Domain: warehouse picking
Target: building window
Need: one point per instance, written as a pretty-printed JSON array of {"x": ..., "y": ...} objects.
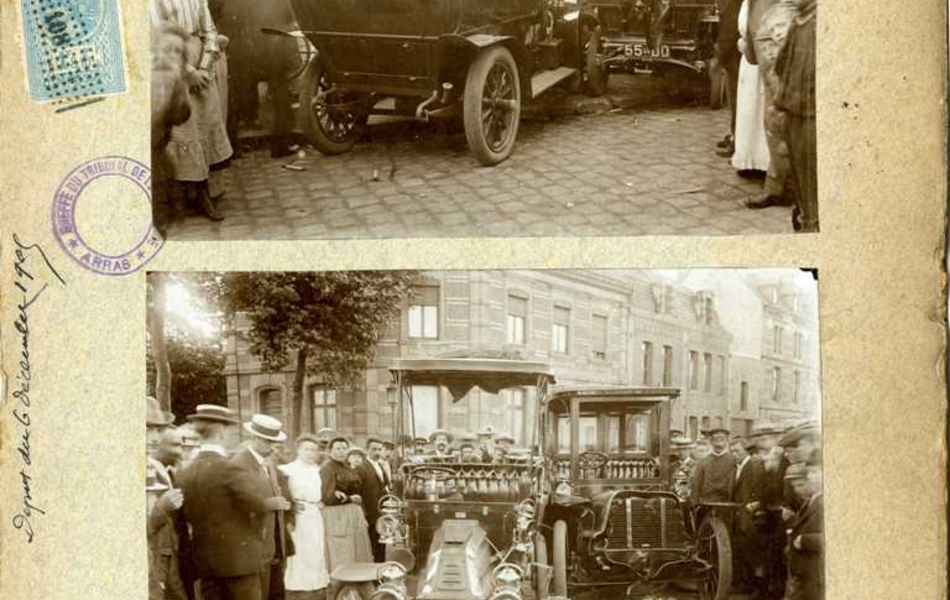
[
  {"x": 798, "y": 344},
  {"x": 424, "y": 313},
  {"x": 694, "y": 428},
  {"x": 323, "y": 405},
  {"x": 796, "y": 386},
  {"x": 776, "y": 383},
  {"x": 517, "y": 316},
  {"x": 667, "y": 366},
  {"x": 704, "y": 427},
  {"x": 426, "y": 411},
  {"x": 744, "y": 396},
  {"x": 693, "y": 370},
  {"x": 561, "y": 329},
  {"x": 598, "y": 341},
  {"x": 269, "y": 403},
  {"x": 721, "y": 370},
  {"x": 718, "y": 422},
  {"x": 707, "y": 372},
  {"x": 647, "y": 363},
  {"x": 516, "y": 403},
  {"x": 776, "y": 339}
]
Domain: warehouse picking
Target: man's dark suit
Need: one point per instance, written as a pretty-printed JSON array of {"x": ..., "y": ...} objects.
[
  {"x": 371, "y": 490},
  {"x": 806, "y": 564},
  {"x": 276, "y": 543},
  {"x": 226, "y": 513},
  {"x": 727, "y": 49},
  {"x": 748, "y": 539}
]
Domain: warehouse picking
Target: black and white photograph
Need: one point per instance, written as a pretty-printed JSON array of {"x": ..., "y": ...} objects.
[
  {"x": 484, "y": 435},
  {"x": 298, "y": 119}
]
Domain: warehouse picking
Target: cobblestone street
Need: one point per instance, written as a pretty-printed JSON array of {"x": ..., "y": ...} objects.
[{"x": 635, "y": 162}]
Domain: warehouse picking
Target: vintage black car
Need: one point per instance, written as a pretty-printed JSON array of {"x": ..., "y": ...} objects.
[
  {"x": 456, "y": 530},
  {"x": 613, "y": 517},
  {"x": 431, "y": 59},
  {"x": 655, "y": 36}
]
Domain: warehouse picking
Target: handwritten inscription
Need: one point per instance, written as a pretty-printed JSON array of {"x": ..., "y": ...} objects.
[{"x": 28, "y": 260}]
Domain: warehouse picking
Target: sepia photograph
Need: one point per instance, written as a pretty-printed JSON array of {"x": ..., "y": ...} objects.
[
  {"x": 484, "y": 435},
  {"x": 296, "y": 119}
]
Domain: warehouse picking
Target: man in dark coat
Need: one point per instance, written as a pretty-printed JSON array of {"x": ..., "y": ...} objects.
[
  {"x": 714, "y": 476},
  {"x": 254, "y": 466},
  {"x": 226, "y": 513},
  {"x": 806, "y": 537},
  {"x": 373, "y": 488},
  {"x": 254, "y": 56},
  {"x": 747, "y": 537},
  {"x": 728, "y": 55}
]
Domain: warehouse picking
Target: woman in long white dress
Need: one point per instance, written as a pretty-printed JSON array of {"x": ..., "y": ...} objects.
[
  {"x": 307, "y": 568},
  {"x": 752, "y": 150}
]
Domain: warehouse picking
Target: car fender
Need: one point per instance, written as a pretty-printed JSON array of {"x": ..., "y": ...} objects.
[{"x": 478, "y": 42}]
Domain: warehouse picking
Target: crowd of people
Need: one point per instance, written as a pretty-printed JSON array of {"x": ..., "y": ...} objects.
[
  {"x": 208, "y": 57},
  {"x": 210, "y": 497},
  {"x": 774, "y": 478},
  {"x": 767, "y": 50}
]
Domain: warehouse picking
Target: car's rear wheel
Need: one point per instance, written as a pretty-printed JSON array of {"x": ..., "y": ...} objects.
[
  {"x": 491, "y": 106},
  {"x": 332, "y": 121},
  {"x": 715, "y": 549},
  {"x": 559, "y": 543}
]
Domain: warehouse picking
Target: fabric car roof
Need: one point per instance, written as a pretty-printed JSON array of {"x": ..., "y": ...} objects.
[{"x": 460, "y": 375}]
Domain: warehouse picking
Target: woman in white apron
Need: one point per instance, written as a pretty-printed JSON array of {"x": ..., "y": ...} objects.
[
  {"x": 307, "y": 568},
  {"x": 752, "y": 150}
]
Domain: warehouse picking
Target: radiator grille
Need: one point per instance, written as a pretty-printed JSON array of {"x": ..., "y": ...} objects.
[{"x": 635, "y": 522}]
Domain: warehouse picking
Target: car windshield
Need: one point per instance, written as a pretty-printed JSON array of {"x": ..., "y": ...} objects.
[{"x": 618, "y": 431}]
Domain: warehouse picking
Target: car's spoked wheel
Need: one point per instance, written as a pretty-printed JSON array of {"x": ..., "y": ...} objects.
[
  {"x": 349, "y": 592},
  {"x": 715, "y": 549},
  {"x": 332, "y": 121},
  {"x": 597, "y": 74},
  {"x": 492, "y": 105}
]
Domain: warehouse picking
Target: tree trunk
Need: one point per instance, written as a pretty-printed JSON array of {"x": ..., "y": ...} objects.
[
  {"x": 296, "y": 410},
  {"x": 163, "y": 372}
]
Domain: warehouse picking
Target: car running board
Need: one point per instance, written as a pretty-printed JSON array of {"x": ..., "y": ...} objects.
[{"x": 545, "y": 80}]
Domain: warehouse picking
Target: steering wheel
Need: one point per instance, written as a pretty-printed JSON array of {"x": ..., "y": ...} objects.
[
  {"x": 433, "y": 472},
  {"x": 592, "y": 460}
]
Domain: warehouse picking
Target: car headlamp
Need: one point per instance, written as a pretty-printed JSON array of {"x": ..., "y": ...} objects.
[
  {"x": 563, "y": 492},
  {"x": 387, "y": 526},
  {"x": 508, "y": 576},
  {"x": 391, "y": 573},
  {"x": 389, "y": 591}
]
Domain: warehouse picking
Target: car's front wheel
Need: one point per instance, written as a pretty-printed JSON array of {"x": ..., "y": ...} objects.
[
  {"x": 491, "y": 106},
  {"x": 715, "y": 548}
]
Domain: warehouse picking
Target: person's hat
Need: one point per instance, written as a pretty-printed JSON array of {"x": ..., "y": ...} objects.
[
  {"x": 439, "y": 432},
  {"x": 265, "y": 427},
  {"x": 467, "y": 437},
  {"x": 716, "y": 430},
  {"x": 764, "y": 429},
  {"x": 388, "y": 444},
  {"x": 488, "y": 431},
  {"x": 374, "y": 440},
  {"x": 152, "y": 484},
  {"x": 327, "y": 433},
  {"x": 155, "y": 416},
  {"x": 420, "y": 440},
  {"x": 213, "y": 412},
  {"x": 467, "y": 443},
  {"x": 676, "y": 433},
  {"x": 505, "y": 438},
  {"x": 796, "y": 471},
  {"x": 307, "y": 437},
  {"x": 681, "y": 443},
  {"x": 356, "y": 450}
]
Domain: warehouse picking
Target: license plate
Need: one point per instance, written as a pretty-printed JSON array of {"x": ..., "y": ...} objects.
[{"x": 644, "y": 51}]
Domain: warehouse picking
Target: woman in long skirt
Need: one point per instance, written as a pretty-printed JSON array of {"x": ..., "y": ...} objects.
[
  {"x": 752, "y": 149},
  {"x": 201, "y": 141},
  {"x": 307, "y": 568}
]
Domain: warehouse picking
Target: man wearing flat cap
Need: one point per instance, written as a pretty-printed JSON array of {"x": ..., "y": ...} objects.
[
  {"x": 714, "y": 476},
  {"x": 228, "y": 513},
  {"x": 805, "y": 536}
]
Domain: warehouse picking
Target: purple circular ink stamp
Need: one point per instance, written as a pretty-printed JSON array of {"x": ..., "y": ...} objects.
[{"x": 101, "y": 199}]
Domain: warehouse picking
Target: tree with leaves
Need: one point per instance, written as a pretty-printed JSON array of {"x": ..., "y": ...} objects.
[{"x": 325, "y": 323}]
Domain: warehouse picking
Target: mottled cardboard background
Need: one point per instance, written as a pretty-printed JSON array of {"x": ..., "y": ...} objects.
[{"x": 882, "y": 183}]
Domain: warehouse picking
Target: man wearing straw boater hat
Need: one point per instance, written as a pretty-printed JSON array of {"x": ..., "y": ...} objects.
[
  {"x": 256, "y": 468},
  {"x": 226, "y": 513}
]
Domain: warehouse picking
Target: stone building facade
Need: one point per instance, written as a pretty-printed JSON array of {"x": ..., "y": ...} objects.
[{"x": 592, "y": 327}]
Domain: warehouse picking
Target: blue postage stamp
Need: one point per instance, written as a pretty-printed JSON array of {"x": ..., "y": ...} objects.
[{"x": 73, "y": 48}]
